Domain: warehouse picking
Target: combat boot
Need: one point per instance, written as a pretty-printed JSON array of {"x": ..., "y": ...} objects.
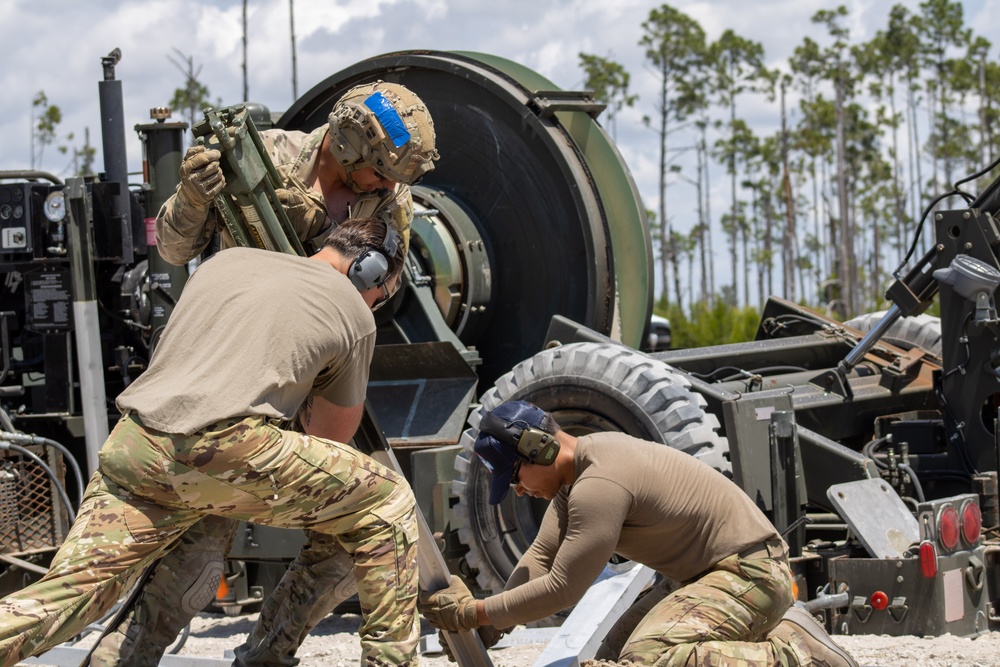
[{"x": 803, "y": 633}]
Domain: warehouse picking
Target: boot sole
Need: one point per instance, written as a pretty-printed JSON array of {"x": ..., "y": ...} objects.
[{"x": 803, "y": 620}]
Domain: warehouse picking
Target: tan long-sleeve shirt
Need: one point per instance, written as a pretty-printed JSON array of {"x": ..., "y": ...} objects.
[{"x": 645, "y": 501}]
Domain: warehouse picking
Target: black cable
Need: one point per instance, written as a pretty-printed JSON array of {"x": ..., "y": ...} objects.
[
  {"x": 870, "y": 449},
  {"x": 960, "y": 444},
  {"x": 978, "y": 174},
  {"x": 960, "y": 368},
  {"x": 913, "y": 480},
  {"x": 955, "y": 191},
  {"x": 126, "y": 377},
  {"x": 48, "y": 471},
  {"x": 920, "y": 228},
  {"x": 25, "y": 439}
]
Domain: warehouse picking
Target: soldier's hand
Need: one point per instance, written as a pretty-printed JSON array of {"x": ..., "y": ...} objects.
[
  {"x": 487, "y": 633},
  {"x": 452, "y": 608},
  {"x": 201, "y": 176},
  {"x": 306, "y": 215}
]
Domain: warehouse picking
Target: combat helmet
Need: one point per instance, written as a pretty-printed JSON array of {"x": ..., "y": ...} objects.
[{"x": 384, "y": 126}]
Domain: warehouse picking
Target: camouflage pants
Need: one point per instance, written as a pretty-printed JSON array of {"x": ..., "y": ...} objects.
[
  {"x": 319, "y": 579},
  {"x": 722, "y": 618},
  {"x": 152, "y": 487},
  {"x": 183, "y": 582}
]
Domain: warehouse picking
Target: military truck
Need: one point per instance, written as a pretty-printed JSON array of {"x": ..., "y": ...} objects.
[{"x": 530, "y": 276}]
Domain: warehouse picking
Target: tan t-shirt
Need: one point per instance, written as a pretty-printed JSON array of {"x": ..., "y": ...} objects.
[
  {"x": 254, "y": 333},
  {"x": 647, "y": 502}
]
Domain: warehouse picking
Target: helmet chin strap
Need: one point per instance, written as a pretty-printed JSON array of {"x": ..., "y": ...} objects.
[{"x": 349, "y": 180}]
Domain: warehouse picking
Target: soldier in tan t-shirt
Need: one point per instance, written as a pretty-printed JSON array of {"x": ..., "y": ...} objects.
[
  {"x": 379, "y": 140},
  {"x": 611, "y": 494},
  {"x": 200, "y": 436}
]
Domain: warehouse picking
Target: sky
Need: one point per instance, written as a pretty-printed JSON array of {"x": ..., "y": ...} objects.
[{"x": 55, "y": 46}]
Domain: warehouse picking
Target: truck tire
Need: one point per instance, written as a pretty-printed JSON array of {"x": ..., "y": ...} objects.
[
  {"x": 588, "y": 387},
  {"x": 923, "y": 331}
]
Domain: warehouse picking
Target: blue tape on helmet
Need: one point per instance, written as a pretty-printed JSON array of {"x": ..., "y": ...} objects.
[{"x": 389, "y": 118}]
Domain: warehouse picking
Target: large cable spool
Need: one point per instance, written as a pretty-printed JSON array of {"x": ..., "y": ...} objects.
[{"x": 533, "y": 211}]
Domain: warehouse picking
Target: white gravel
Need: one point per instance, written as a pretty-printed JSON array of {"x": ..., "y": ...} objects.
[{"x": 333, "y": 643}]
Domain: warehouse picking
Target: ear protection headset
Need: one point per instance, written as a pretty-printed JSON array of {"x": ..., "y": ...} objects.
[
  {"x": 371, "y": 268},
  {"x": 537, "y": 446}
]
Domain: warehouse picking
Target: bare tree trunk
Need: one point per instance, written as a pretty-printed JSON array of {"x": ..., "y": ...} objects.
[
  {"x": 915, "y": 175},
  {"x": 946, "y": 161},
  {"x": 897, "y": 188},
  {"x": 844, "y": 269},
  {"x": 690, "y": 285},
  {"x": 830, "y": 220},
  {"x": 788, "y": 238},
  {"x": 708, "y": 219},
  {"x": 664, "y": 223},
  {"x": 769, "y": 244},
  {"x": 703, "y": 231},
  {"x": 675, "y": 261},
  {"x": 817, "y": 206},
  {"x": 745, "y": 234},
  {"x": 732, "y": 168},
  {"x": 931, "y": 101},
  {"x": 246, "y": 84},
  {"x": 985, "y": 137},
  {"x": 31, "y": 133},
  {"x": 295, "y": 68},
  {"x": 876, "y": 281},
  {"x": 800, "y": 270}
]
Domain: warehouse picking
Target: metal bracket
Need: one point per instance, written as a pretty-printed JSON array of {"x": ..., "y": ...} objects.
[
  {"x": 861, "y": 608},
  {"x": 898, "y": 609},
  {"x": 974, "y": 573},
  {"x": 547, "y": 102}
]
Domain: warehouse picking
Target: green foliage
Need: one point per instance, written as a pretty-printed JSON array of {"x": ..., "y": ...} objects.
[
  {"x": 83, "y": 157},
  {"x": 46, "y": 118},
  {"x": 707, "y": 324},
  {"x": 193, "y": 97},
  {"x": 191, "y": 100},
  {"x": 610, "y": 81}
]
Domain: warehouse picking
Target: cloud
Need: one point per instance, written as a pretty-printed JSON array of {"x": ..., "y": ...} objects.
[{"x": 56, "y": 46}]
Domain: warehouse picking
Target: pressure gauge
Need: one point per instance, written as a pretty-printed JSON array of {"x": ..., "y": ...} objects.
[{"x": 55, "y": 206}]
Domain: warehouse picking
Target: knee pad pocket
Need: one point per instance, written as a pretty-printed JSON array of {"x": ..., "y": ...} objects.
[{"x": 203, "y": 590}]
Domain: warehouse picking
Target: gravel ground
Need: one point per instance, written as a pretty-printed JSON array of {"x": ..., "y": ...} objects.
[{"x": 333, "y": 643}]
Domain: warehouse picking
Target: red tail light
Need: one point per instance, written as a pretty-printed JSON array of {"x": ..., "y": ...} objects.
[
  {"x": 972, "y": 522},
  {"x": 879, "y": 600},
  {"x": 928, "y": 559},
  {"x": 948, "y": 527}
]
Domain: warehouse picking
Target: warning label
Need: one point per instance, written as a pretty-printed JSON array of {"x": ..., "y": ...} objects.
[{"x": 49, "y": 302}]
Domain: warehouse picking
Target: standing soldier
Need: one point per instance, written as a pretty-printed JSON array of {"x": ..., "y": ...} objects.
[
  {"x": 379, "y": 140},
  {"x": 198, "y": 436}
]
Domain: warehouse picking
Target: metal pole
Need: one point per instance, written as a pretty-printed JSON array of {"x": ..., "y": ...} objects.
[
  {"x": 466, "y": 646},
  {"x": 786, "y": 478},
  {"x": 86, "y": 324},
  {"x": 163, "y": 148},
  {"x": 115, "y": 160}
]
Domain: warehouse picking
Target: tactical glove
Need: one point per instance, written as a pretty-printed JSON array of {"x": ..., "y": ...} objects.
[
  {"x": 489, "y": 635},
  {"x": 452, "y": 608},
  {"x": 201, "y": 176},
  {"x": 306, "y": 214}
]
